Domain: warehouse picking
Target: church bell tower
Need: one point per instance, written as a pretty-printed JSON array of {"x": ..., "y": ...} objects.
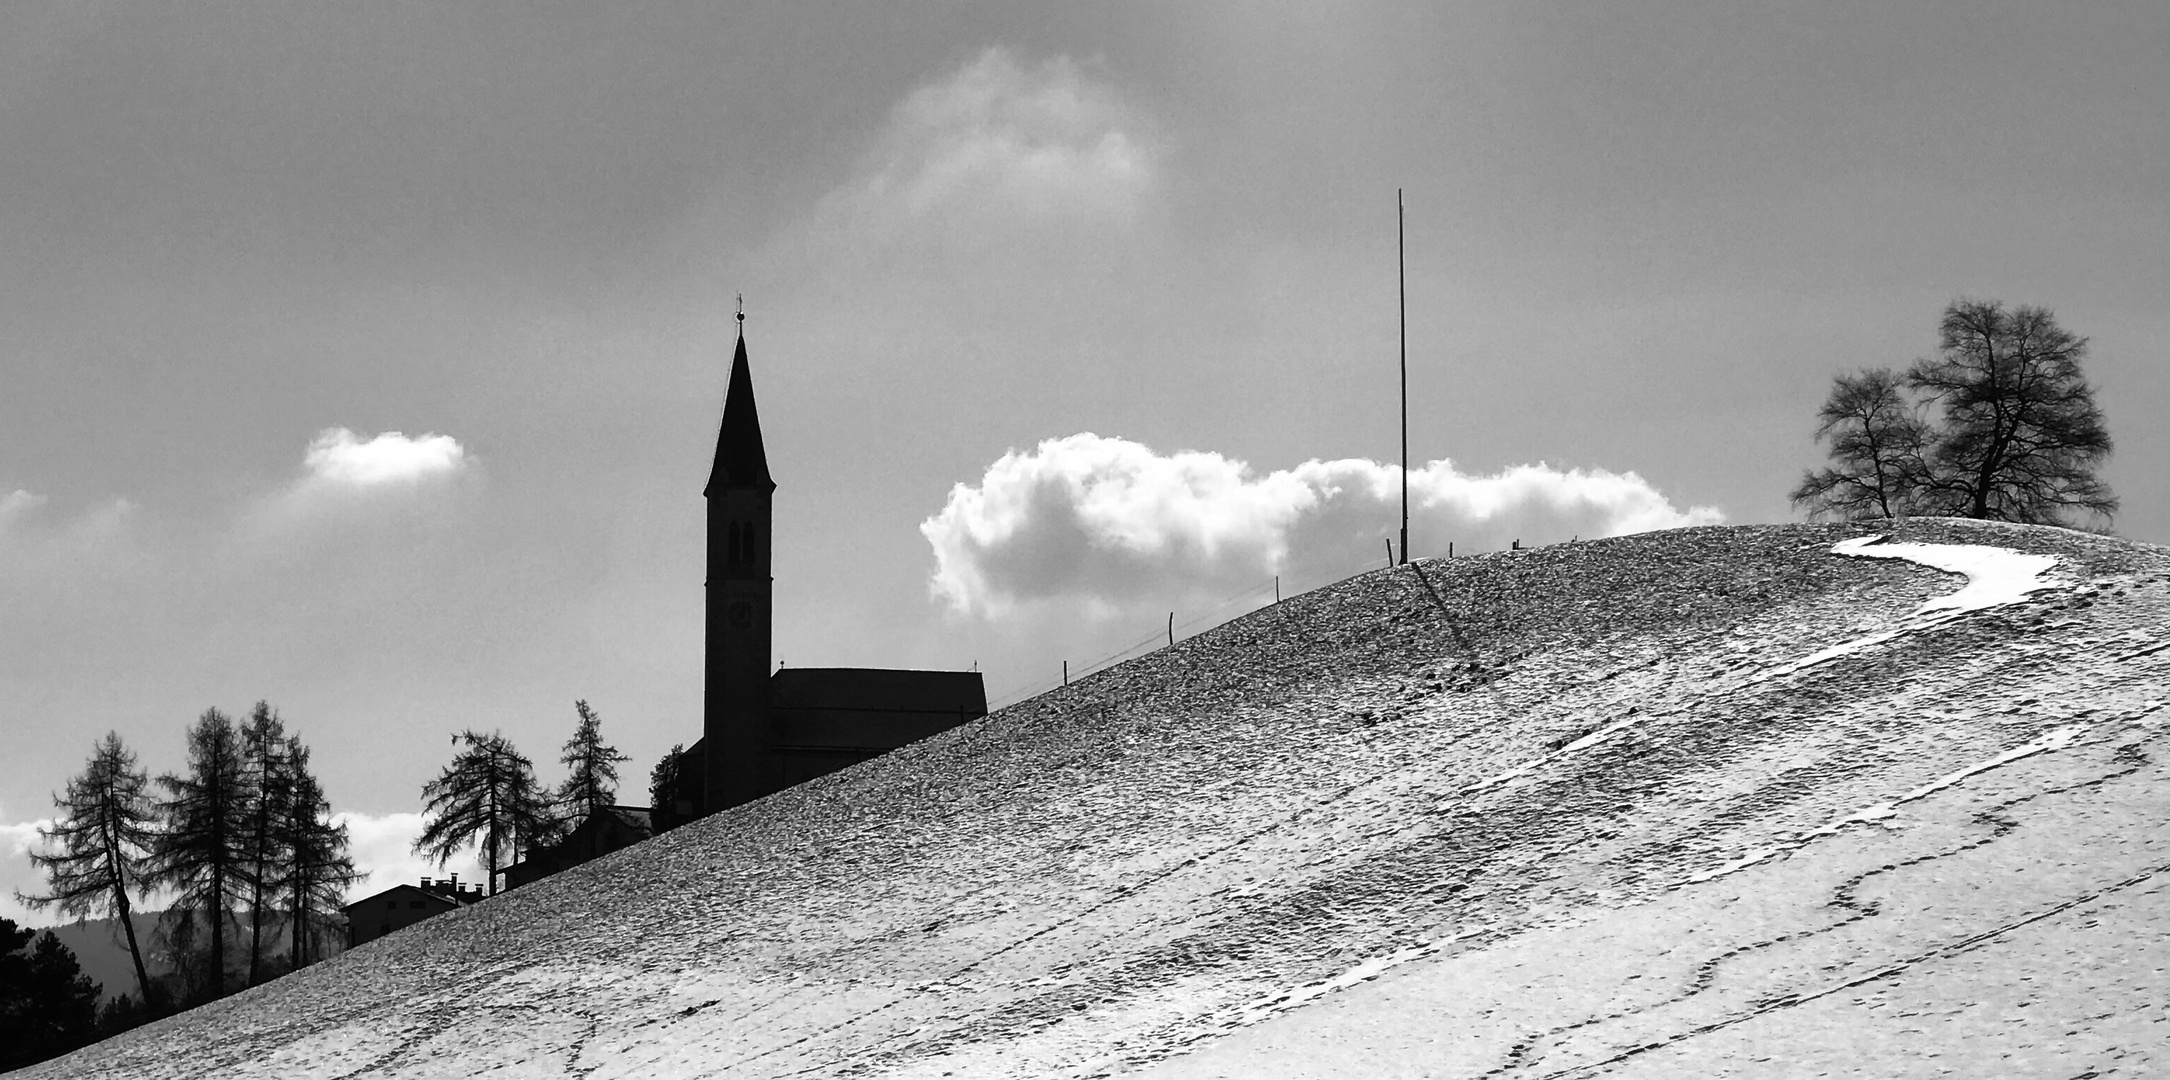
[{"x": 735, "y": 721}]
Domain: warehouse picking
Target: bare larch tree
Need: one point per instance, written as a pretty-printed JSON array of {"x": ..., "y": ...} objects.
[
  {"x": 99, "y": 846},
  {"x": 591, "y": 781},
  {"x": 202, "y": 852},
  {"x": 663, "y": 781},
  {"x": 488, "y": 791},
  {"x": 317, "y": 867},
  {"x": 265, "y": 776}
]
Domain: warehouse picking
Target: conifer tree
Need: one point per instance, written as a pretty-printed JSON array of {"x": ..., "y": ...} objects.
[
  {"x": 177, "y": 945},
  {"x": 267, "y": 789},
  {"x": 203, "y": 853},
  {"x": 317, "y": 868},
  {"x": 100, "y": 845},
  {"x": 663, "y": 781},
  {"x": 122, "y": 1012},
  {"x": 488, "y": 792},
  {"x": 592, "y": 780},
  {"x": 47, "y": 1006}
]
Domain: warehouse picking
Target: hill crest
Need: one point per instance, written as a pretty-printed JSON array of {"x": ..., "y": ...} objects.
[{"x": 1533, "y": 813}]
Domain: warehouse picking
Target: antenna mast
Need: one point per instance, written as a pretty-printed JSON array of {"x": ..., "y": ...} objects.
[{"x": 1401, "y": 259}]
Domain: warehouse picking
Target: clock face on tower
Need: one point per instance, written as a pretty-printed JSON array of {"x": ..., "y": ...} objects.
[{"x": 740, "y": 615}]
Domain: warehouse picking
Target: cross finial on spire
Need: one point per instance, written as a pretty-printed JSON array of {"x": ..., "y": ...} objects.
[{"x": 742, "y": 314}]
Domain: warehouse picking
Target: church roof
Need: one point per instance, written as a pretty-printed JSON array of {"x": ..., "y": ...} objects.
[
  {"x": 887, "y": 690},
  {"x": 740, "y": 460},
  {"x": 633, "y": 816}
]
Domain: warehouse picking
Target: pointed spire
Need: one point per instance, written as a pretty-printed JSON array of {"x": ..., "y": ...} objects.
[{"x": 741, "y": 462}]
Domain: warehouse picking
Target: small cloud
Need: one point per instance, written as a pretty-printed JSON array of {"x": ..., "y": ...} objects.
[
  {"x": 1044, "y": 139},
  {"x": 1009, "y": 188},
  {"x": 340, "y": 457},
  {"x": 17, "y": 874},
  {"x": 382, "y": 849},
  {"x": 366, "y": 485},
  {"x": 41, "y": 548},
  {"x": 1106, "y": 524},
  {"x": 993, "y": 150},
  {"x": 19, "y": 504},
  {"x": 18, "y": 840}
]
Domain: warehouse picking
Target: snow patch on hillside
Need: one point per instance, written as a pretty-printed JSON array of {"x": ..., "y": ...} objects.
[
  {"x": 1995, "y": 576},
  {"x": 1364, "y": 971},
  {"x": 1579, "y": 745},
  {"x": 2055, "y": 740}
]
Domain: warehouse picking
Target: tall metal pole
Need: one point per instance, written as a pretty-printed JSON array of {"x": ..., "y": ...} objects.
[{"x": 1401, "y": 259}]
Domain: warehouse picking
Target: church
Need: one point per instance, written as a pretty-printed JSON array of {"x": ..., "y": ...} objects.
[{"x": 762, "y": 729}]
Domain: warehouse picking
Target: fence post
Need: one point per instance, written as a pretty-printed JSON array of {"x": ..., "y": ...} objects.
[
  {"x": 1171, "y": 629},
  {"x": 1066, "y": 673}
]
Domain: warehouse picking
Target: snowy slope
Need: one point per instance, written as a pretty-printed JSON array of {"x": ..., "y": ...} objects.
[{"x": 1712, "y": 801}]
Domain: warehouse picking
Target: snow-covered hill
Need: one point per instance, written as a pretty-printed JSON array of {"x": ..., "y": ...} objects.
[{"x": 1744, "y": 801}]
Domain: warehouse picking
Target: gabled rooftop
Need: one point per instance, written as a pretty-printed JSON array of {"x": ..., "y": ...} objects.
[{"x": 447, "y": 890}]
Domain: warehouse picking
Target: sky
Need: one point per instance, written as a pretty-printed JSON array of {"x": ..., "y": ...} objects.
[{"x": 367, "y": 359}]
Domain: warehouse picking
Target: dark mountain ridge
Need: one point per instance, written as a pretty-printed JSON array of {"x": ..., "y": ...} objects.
[{"x": 102, "y": 953}]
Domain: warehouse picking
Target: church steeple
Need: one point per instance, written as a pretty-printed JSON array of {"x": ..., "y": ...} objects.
[
  {"x": 761, "y": 732},
  {"x": 741, "y": 461},
  {"x": 736, "y": 761}
]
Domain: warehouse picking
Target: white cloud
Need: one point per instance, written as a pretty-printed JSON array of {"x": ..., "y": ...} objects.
[
  {"x": 17, "y": 840},
  {"x": 995, "y": 148},
  {"x": 339, "y": 457},
  {"x": 1009, "y": 190},
  {"x": 23, "y": 518},
  {"x": 363, "y": 489},
  {"x": 40, "y": 548},
  {"x": 381, "y": 847},
  {"x": 17, "y": 874},
  {"x": 1041, "y": 140},
  {"x": 1105, "y": 523},
  {"x": 18, "y": 504}
]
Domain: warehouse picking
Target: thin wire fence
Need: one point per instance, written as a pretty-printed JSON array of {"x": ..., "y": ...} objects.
[{"x": 1291, "y": 583}]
